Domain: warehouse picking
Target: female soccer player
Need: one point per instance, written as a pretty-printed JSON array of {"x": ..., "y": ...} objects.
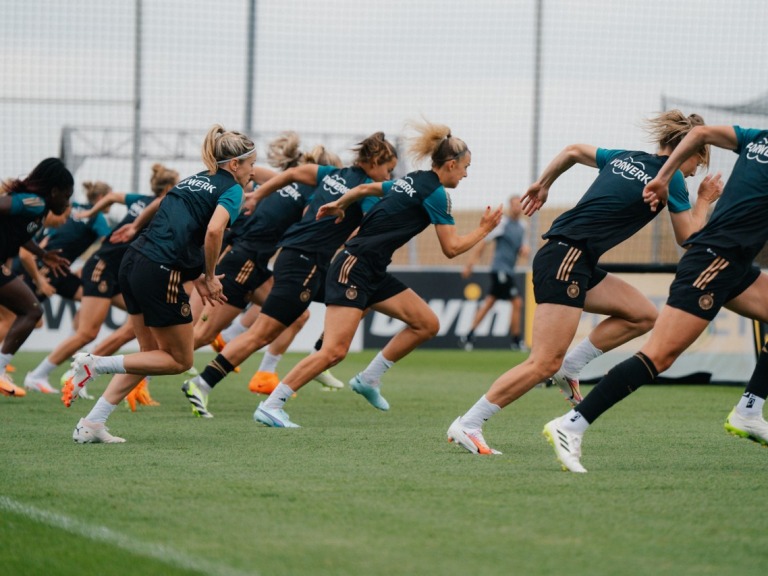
[
  {"x": 99, "y": 277},
  {"x": 23, "y": 206},
  {"x": 307, "y": 249},
  {"x": 358, "y": 278},
  {"x": 183, "y": 240},
  {"x": 716, "y": 271},
  {"x": 566, "y": 275}
]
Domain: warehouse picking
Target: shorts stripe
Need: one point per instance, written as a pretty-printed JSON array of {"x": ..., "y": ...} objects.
[
  {"x": 172, "y": 292},
  {"x": 346, "y": 268},
  {"x": 566, "y": 266},
  {"x": 98, "y": 270},
  {"x": 245, "y": 272},
  {"x": 710, "y": 273},
  {"x": 310, "y": 275}
]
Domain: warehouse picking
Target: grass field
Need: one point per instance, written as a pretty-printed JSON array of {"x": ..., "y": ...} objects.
[{"x": 356, "y": 491}]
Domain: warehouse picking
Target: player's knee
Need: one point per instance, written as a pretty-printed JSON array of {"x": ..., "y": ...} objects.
[
  {"x": 547, "y": 367},
  {"x": 35, "y": 313},
  {"x": 428, "y": 326},
  {"x": 648, "y": 319},
  {"x": 87, "y": 334},
  {"x": 334, "y": 354}
]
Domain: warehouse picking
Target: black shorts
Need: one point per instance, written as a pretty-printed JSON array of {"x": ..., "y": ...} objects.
[
  {"x": 707, "y": 278},
  {"x": 154, "y": 290},
  {"x": 299, "y": 280},
  {"x": 504, "y": 286},
  {"x": 66, "y": 285},
  {"x": 99, "y": 279},
  {"x": 243, "y": 271},
  {"x": 562, "y": 273},
  {"x": 355, "y": 283}
]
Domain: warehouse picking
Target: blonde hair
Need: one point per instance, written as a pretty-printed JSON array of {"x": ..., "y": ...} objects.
[
  {"x": 221, "y": 145},
  {"x": 320, "y": 155},
  {"x": 375, "y": 150},
  {"x": 283, "y": 151},
  {"x": 95, "y": 190},
  {"x": 162, "y": 178},
  {"x": 435, "y": 141},
  {"x": 670, "y": 127}
]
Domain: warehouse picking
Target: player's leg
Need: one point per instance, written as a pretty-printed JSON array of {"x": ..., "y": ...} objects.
[
  {"x": 16, "y": 296},
  {"x": 265, "y": 379},
  {"x": 468, "y": 340}
]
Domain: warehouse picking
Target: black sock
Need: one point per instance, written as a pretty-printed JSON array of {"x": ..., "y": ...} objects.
[
  {"x": 216, "y": 370},
  {"x": 620, "y": 382},
  {"x": 758, "y": 383},
  {"x": 471, "y": 334},
  {"x": 319, "y": 343}
]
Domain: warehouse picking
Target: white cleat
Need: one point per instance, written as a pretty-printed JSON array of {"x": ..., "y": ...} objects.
[
  {"x": 469, "y": 438},
  {"x": 567, "y": 446},
  {"x": 329, "y": 381},
  {"x": 31, "y": 382},
  {"x": 87, "y": 432},
  {"x": 753, "y": 428},
  {"x": 569, "y": 387},
  {"x": 273, "y": 418}
]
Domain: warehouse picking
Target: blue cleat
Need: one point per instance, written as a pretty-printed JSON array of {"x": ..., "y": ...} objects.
[
  {"x": 370, "y": 393},
  {"x": 273, "y": 418}
]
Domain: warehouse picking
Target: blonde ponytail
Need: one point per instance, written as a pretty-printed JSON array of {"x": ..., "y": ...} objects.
[
  {"x": 221, "y": 146},
  {"x": 434, "y": 141}
]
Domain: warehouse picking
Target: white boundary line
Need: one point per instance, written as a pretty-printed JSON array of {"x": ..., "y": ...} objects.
[{"x": 98, "y": 533}]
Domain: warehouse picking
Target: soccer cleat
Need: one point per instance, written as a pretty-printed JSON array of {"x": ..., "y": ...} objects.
[
  {"x": 218, "y": 343},
  {"x": 469, "y": 438},
  {"x": 370, "y": 393},
  {"x": 753, "y": 428},
  {"x": 82, "y": 373},
  {"x": 87, "y": 432},
  {"x": 84, "y": 394},
  {"x": 197, "y": 398},
  {"x": 329, "y": 381},
  {"x": 273, "y": 418},
  {"x": 8, "y": 388},
  {"x": 466, "y": 343},
  {"x": 567, "y": 446},
  {"x": 10, "y": 368},
  {"x": 142, "y": 395},
  {"x": 31, "y": 382},
  {"x": 568, "y": 386},
  {"x": 263, "y": 382}
]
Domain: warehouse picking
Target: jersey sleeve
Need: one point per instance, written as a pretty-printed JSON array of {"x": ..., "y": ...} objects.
[
  {"x": 678, "y": 194},
  {"x": 133, "y": 198},
  {"x": 323, "y": 171},
  {"x": 744, "y": 136},
  {"x": 438, "y": 206},
  {"x": 604, "y": 155},
  {"x": 232, "y": 199},
  {"x": 386, "y": 186},
  {"x": 99, "y": 225},
  {"x": 368, "y": 202},
  {"x": 27, "y": 205}
]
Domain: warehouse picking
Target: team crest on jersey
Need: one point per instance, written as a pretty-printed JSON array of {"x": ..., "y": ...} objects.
[
  {"x": 186, "y": 309},
  {"x": 351, "y": 293},
  {"x": 573, "y": 290},
  {"x": 305, "y": 295},
  {"x": 103, "y": 286},
  {"x": 32, "y": 227},
  {"x": 706, "y": 301},
  {"x": 758, "y": 150},
  {"x": 404, "y": 185},
  {"x": 197, "y": 184},
  {"x": 335, "y": 185}
]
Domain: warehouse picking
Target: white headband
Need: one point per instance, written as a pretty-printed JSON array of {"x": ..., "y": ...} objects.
[{"x": 243, "y": 155}]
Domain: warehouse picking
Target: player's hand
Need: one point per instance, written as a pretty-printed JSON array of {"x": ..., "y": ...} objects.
[
  {"x": 534, "y": 198},
  {"x": 210, "y": 289},
  {"x": 711, "y": 188},
  {"x": 55, "y": 262},
  {"x": 123, "y": 234},
  {"x": 331, "y": 209},
  {"x": 655, "y": 193},
  {"x": 491, "y": 218},
  {"x": 249, "y": 203},
  {"x": 42, "y": 286}
]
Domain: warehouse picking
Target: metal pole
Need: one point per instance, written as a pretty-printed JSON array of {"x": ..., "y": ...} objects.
[
  {"x": 137, "y": 100},
  {"x": 536, "y": 118},
  {"x": 250, "y": 66}
]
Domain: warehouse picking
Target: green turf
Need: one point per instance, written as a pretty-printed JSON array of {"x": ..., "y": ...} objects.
[{"x": 357, "y": 491}]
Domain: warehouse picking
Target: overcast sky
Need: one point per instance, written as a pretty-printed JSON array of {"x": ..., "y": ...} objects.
[{"x": 352, "y": 66}]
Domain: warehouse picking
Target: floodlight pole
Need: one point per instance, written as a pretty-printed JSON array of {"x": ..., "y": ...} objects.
[
  {"x": 137, "y": 99},
  {"x": 250, "y": 67},
  {"x": 536, "y": 118}
]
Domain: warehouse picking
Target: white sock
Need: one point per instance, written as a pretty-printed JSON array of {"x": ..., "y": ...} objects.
[
  {"x": 574, "y": 422},
  {"x": 101, "y": 411},
  {"x": 580, "y": 356},
  {"x": 269, "y": 362},
  {"x": 376, "y": 369},
  {"x": 203, "y": 385},
  {"x": 5, "y": 359},
  {"x": 233, "y": 330},
  {"x": 750, "y": 405},
  {"x": 479, "y": 413},
  {"x": 44, "y": 369},
  {"x": 109, "y": 364},
  {"x": 279, "y": 397}
]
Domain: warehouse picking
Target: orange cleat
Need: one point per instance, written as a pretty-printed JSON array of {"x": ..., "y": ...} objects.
[
  {"x": 140, "y": 395},
  {"x": 8, "y": 388},
  {"x": 263, "y": 382},
  {"x": 10, "y": 368},
  {"x": 68, "y": 393},
  {"x": 218, "y": 343}
]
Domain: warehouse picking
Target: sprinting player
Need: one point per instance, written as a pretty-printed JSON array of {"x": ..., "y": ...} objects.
[
  {"x": 358, "y": 278},
  {"x": 100, "y": 287},
  {"x": 716, "y": 271},
  {"x": 23, "y": 207},
  {"x": 567, "y": 278},
  {"x": 183, "y": 240},
  {"x": 307, "y": 249},
  {"x": 509, "y": 244}
]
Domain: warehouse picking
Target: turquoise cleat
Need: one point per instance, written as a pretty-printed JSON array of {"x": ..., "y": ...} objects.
[{"x": 370, "y": 393}]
